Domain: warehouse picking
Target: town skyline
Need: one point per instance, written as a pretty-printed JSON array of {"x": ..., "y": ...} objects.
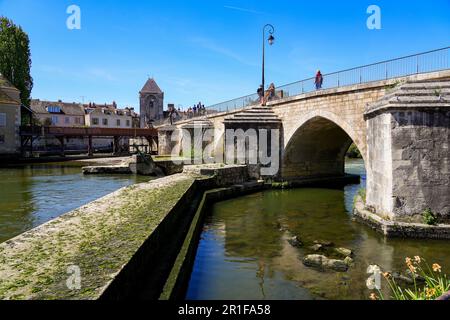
[{"x": 85, "y": 66}]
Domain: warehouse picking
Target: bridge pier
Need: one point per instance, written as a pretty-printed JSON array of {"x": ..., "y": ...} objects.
[
  {"x": 408, "y": 141},
  {"x": 401, "y": 126},
  {"x": 63, "y": 147},
  {"x": 90, "y": 147}
]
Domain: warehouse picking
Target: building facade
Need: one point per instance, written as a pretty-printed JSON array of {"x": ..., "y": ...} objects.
[
  {"x": 63, "y": 114},
  {"x": 10, "y": 119},
  {"x": 58, "y": 114},
  {"x": 151, "y": 100},
  {"x": 107, "y": 117}
]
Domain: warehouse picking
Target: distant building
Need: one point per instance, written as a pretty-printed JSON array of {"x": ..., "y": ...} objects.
[
  {"x": 10, "y": 119},
  {"x": 58, "y": 114},
  {"x": 151, "y": 103},
  {"x": 109, "y": 117},
  {"x": 63, "y": 114}
]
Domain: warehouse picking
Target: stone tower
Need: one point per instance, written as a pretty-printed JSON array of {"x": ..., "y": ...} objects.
[{"x": 151, "y": 103}]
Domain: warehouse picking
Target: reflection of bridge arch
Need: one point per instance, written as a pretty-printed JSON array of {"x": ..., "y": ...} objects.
[{"x": 317, "y": 146}]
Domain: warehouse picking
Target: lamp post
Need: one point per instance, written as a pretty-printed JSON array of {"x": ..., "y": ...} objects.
[{"x": 271, "y": 40}]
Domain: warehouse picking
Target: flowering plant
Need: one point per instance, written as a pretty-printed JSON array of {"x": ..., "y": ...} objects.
[{"x": 429, "y": 283}]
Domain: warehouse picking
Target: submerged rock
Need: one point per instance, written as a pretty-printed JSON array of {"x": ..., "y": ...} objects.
[
  {"x": 314, "y": 260},
  {"x": 336, "y": 265},
  {"x": 348, "y": 261},
  {"x": 295, "y": 242},
  {"x": 397, "y": 276},
  {"x": 324, "y": 243},
  {"x": 344, "y": 252},
  {"x": 320, "y": 261},
  {"x": 316, "y": 247},
  {"x": 414, "y": 276}
]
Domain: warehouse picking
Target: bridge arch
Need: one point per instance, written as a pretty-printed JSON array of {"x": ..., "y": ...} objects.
[{"x": 316, "y": 147}]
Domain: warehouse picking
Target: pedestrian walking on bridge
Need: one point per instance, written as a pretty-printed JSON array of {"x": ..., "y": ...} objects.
[{"x": 319, "y": 80}]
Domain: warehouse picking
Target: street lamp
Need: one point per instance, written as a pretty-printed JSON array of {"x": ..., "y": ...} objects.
[{"x": 271, "y": 40}]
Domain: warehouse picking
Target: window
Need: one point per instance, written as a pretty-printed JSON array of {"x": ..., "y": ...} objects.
[
  {"x": 2, "y": 119},
  {"x": 54, "y": 109},
  {"x": 128, "y": 123},
  {"x": 54, "y": 120},
  {"x": 105, "y": 122},
  {"x": 77, "y": 121},
  {"x": 2, "y": 139},
  {"x": 118, "y": 122},
  {"x": 95, "y": 121},
  {"x": 67, "y": 120}
]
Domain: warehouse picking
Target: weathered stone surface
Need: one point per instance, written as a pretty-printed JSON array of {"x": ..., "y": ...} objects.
[
  {"x": 324, "y": 243},
  {"x": 320, "y": 261},
  {"x": 100, "y": 238},
  {"x": 409, "y": 143},
  {"x": 344, "y": 252},
  {"x": 336, "y": 265},
  {"x": 225, "y": 175},
  {"x": 349, "y": 261},
  {"x": 317, "y": 247},
  {"x": 394, "y": 229},
  {"x": 314, "y": 260}
]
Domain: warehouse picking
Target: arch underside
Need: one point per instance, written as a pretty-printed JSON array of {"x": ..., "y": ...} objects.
[{"x": 316, "y": 150}]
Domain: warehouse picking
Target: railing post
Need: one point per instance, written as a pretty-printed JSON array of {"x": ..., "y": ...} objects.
[
  {"x": 386, "y": 70},
  {"x": 338, "y": 80},
  {"x": 417, "y": 65},
  {"x": 303, "y": 87},
  {"x": 360, "y": 75}
]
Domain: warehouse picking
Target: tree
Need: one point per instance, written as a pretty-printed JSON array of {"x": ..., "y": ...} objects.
[{"x": 15, "y": 58}]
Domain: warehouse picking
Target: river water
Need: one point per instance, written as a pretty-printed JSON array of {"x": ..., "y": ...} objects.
[
  {"x": 32, "y": 195},
  {"x": 244, "y": 254}
]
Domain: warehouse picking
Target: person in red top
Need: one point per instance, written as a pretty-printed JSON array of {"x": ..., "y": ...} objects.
[{"x": 319, "y": 80}]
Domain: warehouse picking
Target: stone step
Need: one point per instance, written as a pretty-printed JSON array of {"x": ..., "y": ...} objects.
[
  {"x": 426, "y": 86},
  {"x": 253, "y": 121},
  {"x": 256, "y": 115}
]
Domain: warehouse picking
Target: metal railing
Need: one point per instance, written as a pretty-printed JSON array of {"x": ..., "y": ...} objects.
[{"x": 430, "y": 61}]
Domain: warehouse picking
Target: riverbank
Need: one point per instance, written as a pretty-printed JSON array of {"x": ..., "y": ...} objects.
[
  {"x": 121, "y": 246},
  {"x": 101, "y": 239}
]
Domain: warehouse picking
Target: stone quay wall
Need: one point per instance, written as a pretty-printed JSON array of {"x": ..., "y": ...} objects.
[{"x": 121, "y": 246}]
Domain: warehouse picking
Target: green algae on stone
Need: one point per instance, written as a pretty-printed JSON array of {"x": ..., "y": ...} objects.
[{"x": 99, "y": 238}]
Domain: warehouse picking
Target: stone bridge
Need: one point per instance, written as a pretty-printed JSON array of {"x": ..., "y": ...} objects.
[{"x": 401, "y": 126}]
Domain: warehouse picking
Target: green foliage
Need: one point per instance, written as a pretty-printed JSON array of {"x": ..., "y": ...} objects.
[
  {"x": 433, "y": 285},
  {"x": 362, "y": 194},
  {"x": 280, "y": 185},
  {"x": 429, "y": 217},
  {"x": 437, "y": 92},
  {"x": 394, "y": 85},
  {"x": 15, "y": 58},
  {"x": 353, "y": 152}
]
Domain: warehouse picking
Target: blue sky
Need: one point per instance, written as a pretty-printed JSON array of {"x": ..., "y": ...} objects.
[{"x": 210, "y": 50}]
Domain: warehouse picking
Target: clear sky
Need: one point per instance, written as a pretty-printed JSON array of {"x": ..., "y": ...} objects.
[{"x": 210, "y": 50}]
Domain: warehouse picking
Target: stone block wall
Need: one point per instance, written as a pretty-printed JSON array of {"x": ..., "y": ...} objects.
[
  {"x": 421, "y": 162},
  {"x": 379, "y": 168}
]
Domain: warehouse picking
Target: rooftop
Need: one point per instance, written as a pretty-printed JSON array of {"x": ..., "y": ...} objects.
[{"x": 151, "y": 87}]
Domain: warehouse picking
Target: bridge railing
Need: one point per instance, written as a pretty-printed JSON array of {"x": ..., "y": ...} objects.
[{"x": 430, "y": 61}]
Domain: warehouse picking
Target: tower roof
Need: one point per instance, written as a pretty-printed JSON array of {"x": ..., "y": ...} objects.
[{"x": 151, "y": 87}]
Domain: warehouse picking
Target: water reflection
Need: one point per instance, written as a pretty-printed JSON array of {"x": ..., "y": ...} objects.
[
  {"x": 244, "y": 253},
  {"x": 32, "y": 195}
]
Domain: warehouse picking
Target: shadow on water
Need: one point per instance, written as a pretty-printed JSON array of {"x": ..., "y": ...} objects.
[
  {"x": 244, "y": 254},
  {"x": 32, "y": 195}
]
